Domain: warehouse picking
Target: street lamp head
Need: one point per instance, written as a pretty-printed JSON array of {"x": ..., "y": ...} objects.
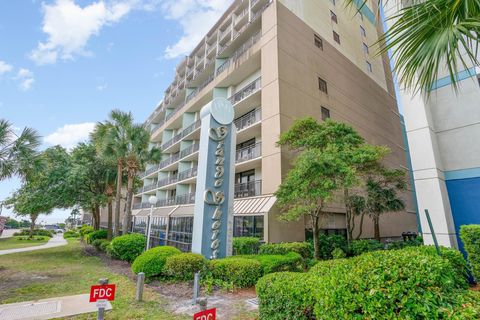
[{"x": 152, "y": 200}]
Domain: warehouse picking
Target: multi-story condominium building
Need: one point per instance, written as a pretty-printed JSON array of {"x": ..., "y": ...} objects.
[{"x": 276, "y": 61}]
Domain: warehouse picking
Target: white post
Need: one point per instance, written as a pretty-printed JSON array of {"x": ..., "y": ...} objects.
[{"x": 152, "y": 200}]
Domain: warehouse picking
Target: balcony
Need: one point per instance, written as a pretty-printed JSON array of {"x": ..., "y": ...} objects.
[
  {"x": 187, "y": 174},
  {"x": 181, "y": 199},
  {"x": 172, "y": 141},
  {"x": 189, "y": 150},
  {"x": 248, "y": 119},
  {"x": 191, "y": 128},
  {"x": 248, "y": 90},
  {"x": 248, "y": 189},
  {"x": 248, "y": 153},
  {"x": 239, "y": 52},
  {"x": 149, "y": 187},
  {"x": 167, "y": 181},
  {"x": 173, "y": 158}
]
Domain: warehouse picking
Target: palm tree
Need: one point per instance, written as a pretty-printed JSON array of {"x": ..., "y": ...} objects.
[
  {"x": 110, "y": 139},
  {"x": 17, "y": 152},
  {"x": 429, "y": 36},
  {"x": 139, "y": 153}
]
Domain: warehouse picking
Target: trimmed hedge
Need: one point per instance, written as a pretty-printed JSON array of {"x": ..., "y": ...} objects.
[
  {"x": 245, "y": 245},
  {"x": 470, "y": 236},
  {"x": 84, "y": 230},
  {"x": 100, "y": 244},
  {"x": 183, "y": 266},
  {"x": 285, "y": 296},
  {"x": 291, "y": 261},
  {"x": 96, "y": 235},
  {"x": 398, "y": 284},
  {"x": 71, "y": 234},
  {"x": 240, "y": 272},
  {"x": 358, "y": 247},
  {"x": 36, "y": 232},
  {"x": 127, "y": 247},
  {"x": 152, "y": 261},
  {"x": 302, "y": 248}
]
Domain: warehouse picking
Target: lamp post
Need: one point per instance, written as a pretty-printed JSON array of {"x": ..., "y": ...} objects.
[{"x": 152, "y": 200}]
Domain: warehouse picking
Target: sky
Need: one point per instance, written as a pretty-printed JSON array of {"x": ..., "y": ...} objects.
[{"x": 64, "y": 64}]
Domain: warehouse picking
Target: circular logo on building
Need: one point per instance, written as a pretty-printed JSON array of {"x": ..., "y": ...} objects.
[{"x": 222, "y": 110}]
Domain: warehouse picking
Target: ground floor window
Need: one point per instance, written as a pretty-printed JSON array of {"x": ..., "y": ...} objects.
[
  {"x": 159, "y": 231},
  {"x": 140, "y": 225},
  {"x": 309, "y": 232},
  {"x": 180, "y": 233},
  {"x": 248, "y": 226}
]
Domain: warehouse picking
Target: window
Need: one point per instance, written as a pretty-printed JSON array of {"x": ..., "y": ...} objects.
[
  {"x": 369, "y": 66},
  {"x": 322, "y": 85},
  {"x": 325, "y": 113},
  {"x": 180, "y": 233},
  {"x": 363, "y": 32},
  {"x": 318, "y": 42},
  {"x": 336, "y": 37},
  {"x": 365, "y": 48},
  {"x": 333, "y": 2},
  {"x": 246, "y": 185},
  {"x": 333, "y": 16},
  {"x": 246, "y": 226}
]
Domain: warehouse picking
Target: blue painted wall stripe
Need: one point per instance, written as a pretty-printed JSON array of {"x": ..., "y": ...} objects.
[
  {"x": 445, "y": 81},
  {"x": 462, "y": 174}
]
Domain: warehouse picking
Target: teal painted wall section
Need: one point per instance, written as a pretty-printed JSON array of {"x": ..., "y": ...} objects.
[{"x": 462, "y": 174}]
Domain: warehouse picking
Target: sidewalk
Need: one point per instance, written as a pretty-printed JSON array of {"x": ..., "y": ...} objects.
[
  {"x": 49, "y": 308},
  {"x": 56, "y": 241}
]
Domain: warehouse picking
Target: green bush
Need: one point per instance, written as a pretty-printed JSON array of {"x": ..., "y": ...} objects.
[
  {"x": 357, "y": 247},
  {"x": 127, "y": 247},
  {"x": 84, "y": 230},
  {"x": 152, "y": 261},
  {"x": 96, "y": 235},
  {"x": 245, "y": 245},
  {"x": 338, "y": 253},
  {"x": 404, "y": 244},
  {"x": 399, "y": 284},
  {"x": 285, "y": 296},
  {"x": 71, "y": 234},
  {"x": 240, "y": 272},
  {"x": 470, "y": 236},
  {"x": 36, "y": 232},
  {"x": 183, "y": 266},
  {"x": 291, "y": 261},
  {"x": 104, "y": 245},
  {"x": 302, "y": 248},
  {"x": 328, "y": 243}
]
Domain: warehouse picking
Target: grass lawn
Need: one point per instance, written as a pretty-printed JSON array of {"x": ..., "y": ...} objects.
[
  {"x": 15, "y": 242},
  {"x": 66, "y": 271}
]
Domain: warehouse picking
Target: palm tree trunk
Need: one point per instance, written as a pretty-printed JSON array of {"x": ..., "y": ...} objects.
[
  {"x": 128, "y": 212},
  {"x": 316, "y": 248},
  {"x": 118, "y": 197},
  {"x": 360, "y": 227},
  {"x": 376, "y": 227},
  {"x": 348, "y": 215},
  {"x": 109, "y": 223},
  {"x": 33, "y": 218}
]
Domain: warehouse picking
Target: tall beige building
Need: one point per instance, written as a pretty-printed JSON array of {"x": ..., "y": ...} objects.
[{"x": 276, "y": 61}]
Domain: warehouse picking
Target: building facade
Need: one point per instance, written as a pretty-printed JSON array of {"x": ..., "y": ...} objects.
[{"x": 276, "y": 61}]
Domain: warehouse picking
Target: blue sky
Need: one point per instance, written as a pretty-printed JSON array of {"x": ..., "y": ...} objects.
[{"x": 64, "y": 64}]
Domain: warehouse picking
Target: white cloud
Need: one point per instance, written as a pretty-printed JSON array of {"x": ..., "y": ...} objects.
[
  {"x": 102, "y": 87},
  {"x": 69, "y": 27},
  {"x": 196, "y": 17},
  {"x": 25, "y": 77},
  {"x": 4, "y": 67},
  {"x": 70, "y": 135}
]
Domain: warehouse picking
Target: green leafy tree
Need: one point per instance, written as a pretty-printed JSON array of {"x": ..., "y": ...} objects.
[
  {"x": 330, "y": 155},
  {"x": 17, "y": 152},
  {"x": 430, "y": 36}
]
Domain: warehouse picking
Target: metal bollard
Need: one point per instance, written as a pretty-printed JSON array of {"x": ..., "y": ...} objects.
[
  {"x": 196, "y": 287},
  {"x": 140, "y": 283},
  {"x": 101, "y": 310}
]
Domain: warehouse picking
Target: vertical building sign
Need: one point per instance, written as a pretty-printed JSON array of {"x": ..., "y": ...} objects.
[{"x": 213, "y": 215}]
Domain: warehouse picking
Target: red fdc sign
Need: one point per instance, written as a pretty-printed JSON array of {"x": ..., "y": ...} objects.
[
  {"x": 105, "y": 292},
  {"x": 210, "y": 314}
]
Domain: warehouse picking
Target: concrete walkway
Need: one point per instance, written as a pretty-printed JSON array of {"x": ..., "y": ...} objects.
[
  {"x": 56, "y": 241},
  {"x": 49, "y": 308}
]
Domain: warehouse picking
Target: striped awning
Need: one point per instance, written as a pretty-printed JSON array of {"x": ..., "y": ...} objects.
[
  {"x": 140, "y": 213},
  {"x": 183, "y": 211},
  {"x": 253, "y": 206},
  {"x": 163, "y": 211}
]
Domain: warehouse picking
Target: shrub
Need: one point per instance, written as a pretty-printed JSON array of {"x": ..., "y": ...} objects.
[
  {"x": 470, "y": 235},
  {"x": 395, "y": 284},
  {"x": 285, "y": 296},
  {"x": 291, "y": 261},
  {"x": 245, "y": 245},
  {"x": 104, "y": 244},
  {"x": 357, "y": 247},
  {"x": 240, "y": 272},
  {"x": 71, "y": 234},
  {"x": 328, "y": 243},
  {"x": 404, "y": 244},
  {"x": 84, "y": 230},
  {"x": 127, "y": 247},
  {"x": 96, "y": 235},
  {"x": 152, "y": 261},
  {"x": 338, "y": 253},
  {"x": 183, "y": 266},
  {"x": 36, "y": 232},
  {"x": 302, "y": 248}
]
